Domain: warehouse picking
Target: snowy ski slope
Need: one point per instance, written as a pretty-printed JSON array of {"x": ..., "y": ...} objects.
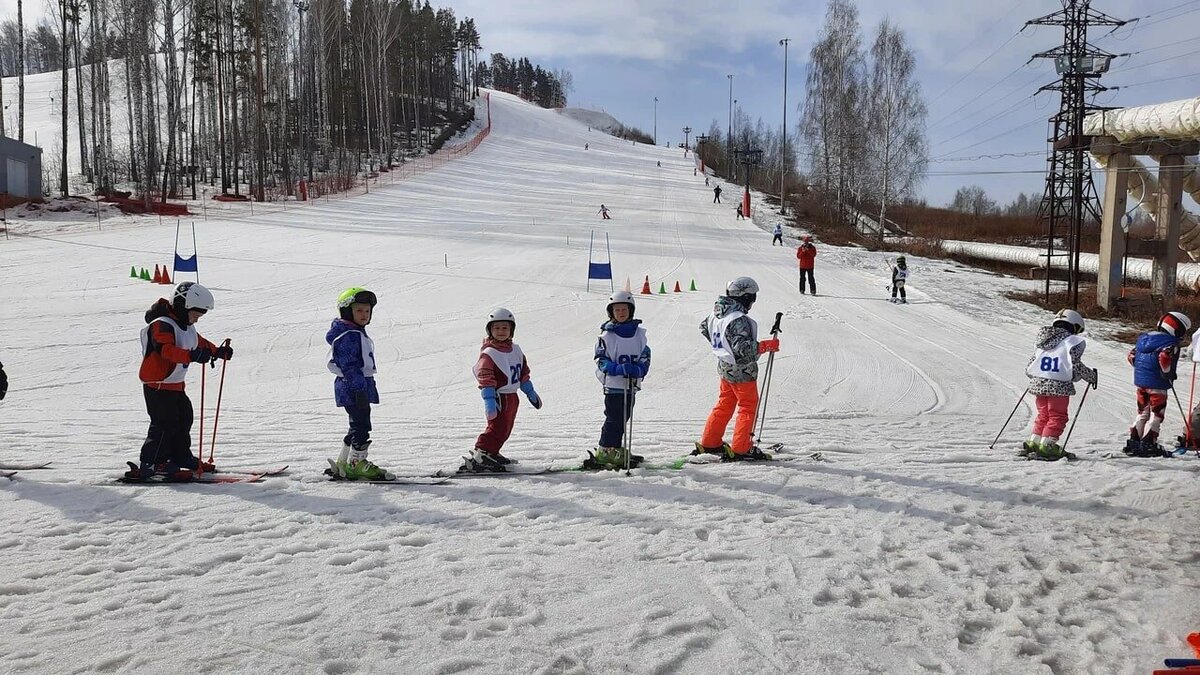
[{"x": 911, "y": 549}]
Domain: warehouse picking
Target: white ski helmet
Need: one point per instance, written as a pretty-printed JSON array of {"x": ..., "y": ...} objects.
[
  {"x": 1175, "y": 323},
  {"x": 500, "y": 314},
  {"x": 741, "y": 287},
  {"x": 1073, "y": 320},
  {"x": 619, "y": 297},
  {"x": 191, "y": 295},
  {"x": 744, "y": 290}
]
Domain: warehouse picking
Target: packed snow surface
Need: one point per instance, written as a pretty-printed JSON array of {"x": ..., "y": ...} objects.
[{"x": 909, "y": 548}]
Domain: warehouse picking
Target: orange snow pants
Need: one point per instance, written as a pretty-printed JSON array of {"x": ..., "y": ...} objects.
[{"x": 744, "y": 397}]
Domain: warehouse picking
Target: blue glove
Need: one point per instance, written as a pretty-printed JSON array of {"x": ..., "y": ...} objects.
[
  {"x": 621, "y": 370},
  {"x": 638, "y": 370},
  {"x": 612, "y": 368},
  {"x": 200, "y": 355},
  {"x": 362, "y": 399},
  {"x": 534, "y": 399},
  {"x": 491, "y": 405}
]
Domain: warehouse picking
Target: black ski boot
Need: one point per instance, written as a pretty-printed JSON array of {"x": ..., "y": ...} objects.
[{"x": 481, "y": 462}]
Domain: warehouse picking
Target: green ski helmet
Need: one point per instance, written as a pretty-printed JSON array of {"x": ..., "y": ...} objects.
[{"x": 352, "y": 295}]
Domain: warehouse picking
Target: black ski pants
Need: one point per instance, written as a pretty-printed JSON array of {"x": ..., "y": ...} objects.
[
  {"x": 169, "y": 438},
  {"x": 812, "y": 281},
  {"x": 360, "y": 425},
  {"x": 613, "y": 432}
]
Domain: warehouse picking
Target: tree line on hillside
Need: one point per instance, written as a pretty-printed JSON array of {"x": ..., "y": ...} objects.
[
  {"x": 861, "y": 128},
  {"x": 525, "y": 79},
  {"x": 255, "y": 92}
]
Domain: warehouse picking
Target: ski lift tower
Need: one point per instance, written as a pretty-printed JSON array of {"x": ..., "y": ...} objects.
[{"x": 1070, "y": 191}]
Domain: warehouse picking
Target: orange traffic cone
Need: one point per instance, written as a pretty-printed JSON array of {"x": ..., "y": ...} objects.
[
  {"x": 646, "y": 286},
  {"x": 677, "y": 288},
  {"x": 157, "y": 275},
  {"x": 166, "y": 277}
]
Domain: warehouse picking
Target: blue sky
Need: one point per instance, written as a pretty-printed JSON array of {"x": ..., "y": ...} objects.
[{"x": 970, "y": 59}]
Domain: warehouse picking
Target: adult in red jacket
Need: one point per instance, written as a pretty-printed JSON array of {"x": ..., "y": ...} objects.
[{"x": 807, "y": 255}]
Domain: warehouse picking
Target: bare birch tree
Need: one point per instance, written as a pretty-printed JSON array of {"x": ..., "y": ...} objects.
[{"x": 897, "y": 149}]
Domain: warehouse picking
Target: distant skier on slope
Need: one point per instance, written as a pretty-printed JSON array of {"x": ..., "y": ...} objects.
[
  {"x": 170, "y": 344},
  {"x": 740, "y": 215},
  {"x": 604, "y": 212},
  {"x": 716, "y": 192},
  {"x": 777, "y": 234},
  {"x": 1053, "y": 369},
  {"x": 899, "y": 276},
  {"x": 501, "y": 371},
  {"x": 1154, "y": 358},
  {"x": 733, "y": 336},
  {"x": 352, "y": 359},
  {"x": 806, "y": 258},
  {"x": 622, "y": 358}
]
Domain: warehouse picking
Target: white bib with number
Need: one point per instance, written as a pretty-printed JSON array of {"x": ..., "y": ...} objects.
[{"x": 1055, "y": 364}]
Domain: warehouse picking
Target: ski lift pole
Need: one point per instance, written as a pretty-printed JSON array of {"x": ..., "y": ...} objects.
[
  {"x": 762, "y": 411},
  {"x": 1010, "y": 416},
  {"x": 217, "y": 417}
]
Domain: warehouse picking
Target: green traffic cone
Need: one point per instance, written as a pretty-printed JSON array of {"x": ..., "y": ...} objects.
[
  {"x": 133, "y": 272},
  {"x": 693, "y": 286},
  {"x": 145, "y": 275},
  {"x": 662, "y": 287}
]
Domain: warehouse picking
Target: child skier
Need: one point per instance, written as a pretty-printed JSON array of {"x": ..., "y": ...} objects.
[
  {"x": 734, "y": 339},
  {"x": 899, "y": 275},
  {"x": 1054, "y": 367},
  {"x": 352, "y": 359},
  {"x": 777, "y": 235},
  {"x": 1154, "y": 359},
  {"x": 604, "y": 212},
  {"x": 500, "y": 371},
  {"x": 622, "y": 359},
  {"x": 170, "y": 344}
]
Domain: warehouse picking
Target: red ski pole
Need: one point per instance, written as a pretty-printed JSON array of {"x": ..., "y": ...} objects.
[{"x": 212, "y": 447}]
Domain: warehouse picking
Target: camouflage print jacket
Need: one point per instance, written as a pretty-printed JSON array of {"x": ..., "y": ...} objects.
[
  {"x": 740, "y": 339},
  {"x": 1049, "y": 337}
]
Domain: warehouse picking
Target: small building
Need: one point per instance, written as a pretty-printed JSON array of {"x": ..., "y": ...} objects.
[{"x": 20, "y": 171}]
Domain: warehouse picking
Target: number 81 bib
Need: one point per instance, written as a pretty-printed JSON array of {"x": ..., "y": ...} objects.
[{"x": 1055, "y": 364}]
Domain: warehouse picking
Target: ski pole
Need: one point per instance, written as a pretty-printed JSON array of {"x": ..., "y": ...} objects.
[
  {"x": 200, "y": 461},
  {"x": 762, "y": 411},
  {"x": 217, "y": 417},
  {"x": 1180, "y": 406},
  {"x": 1010, "y": 416},
  {"x": 1075, "y": 419},
  {"x": 1191, "y": 399},
  {"x": 628, "y": 423}
]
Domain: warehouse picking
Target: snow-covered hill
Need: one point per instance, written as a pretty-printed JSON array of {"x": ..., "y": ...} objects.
[
  {"x": 595, "y": 119},
  {"x": 911, "y": 548}
]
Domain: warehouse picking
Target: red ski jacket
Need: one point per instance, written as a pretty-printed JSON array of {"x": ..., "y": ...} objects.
[{"x": 807, "y": 255}]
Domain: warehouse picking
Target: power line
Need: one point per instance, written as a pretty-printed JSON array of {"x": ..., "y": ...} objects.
[
  {"x": 1028, "y": 153},
  {"x": 1162, "y": 79},
  {"x": 992, "y": 138}
]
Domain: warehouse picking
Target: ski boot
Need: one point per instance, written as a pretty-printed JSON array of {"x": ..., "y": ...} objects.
[
  {"x": 1133, "y": 444},
  {"x": 722, "y": 450},
  {"x": 752, "y": 455},
  {"x": 168, "y": 472},
  {"x": 483, "y": 462},
  {"x": 1028, "y": 448},
  {"x": 1051, "y": 452},
  {"x": 1150, "y": 447},
  {"x": 358, "y": 467},
  {"x": 194, "y": 463}
]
